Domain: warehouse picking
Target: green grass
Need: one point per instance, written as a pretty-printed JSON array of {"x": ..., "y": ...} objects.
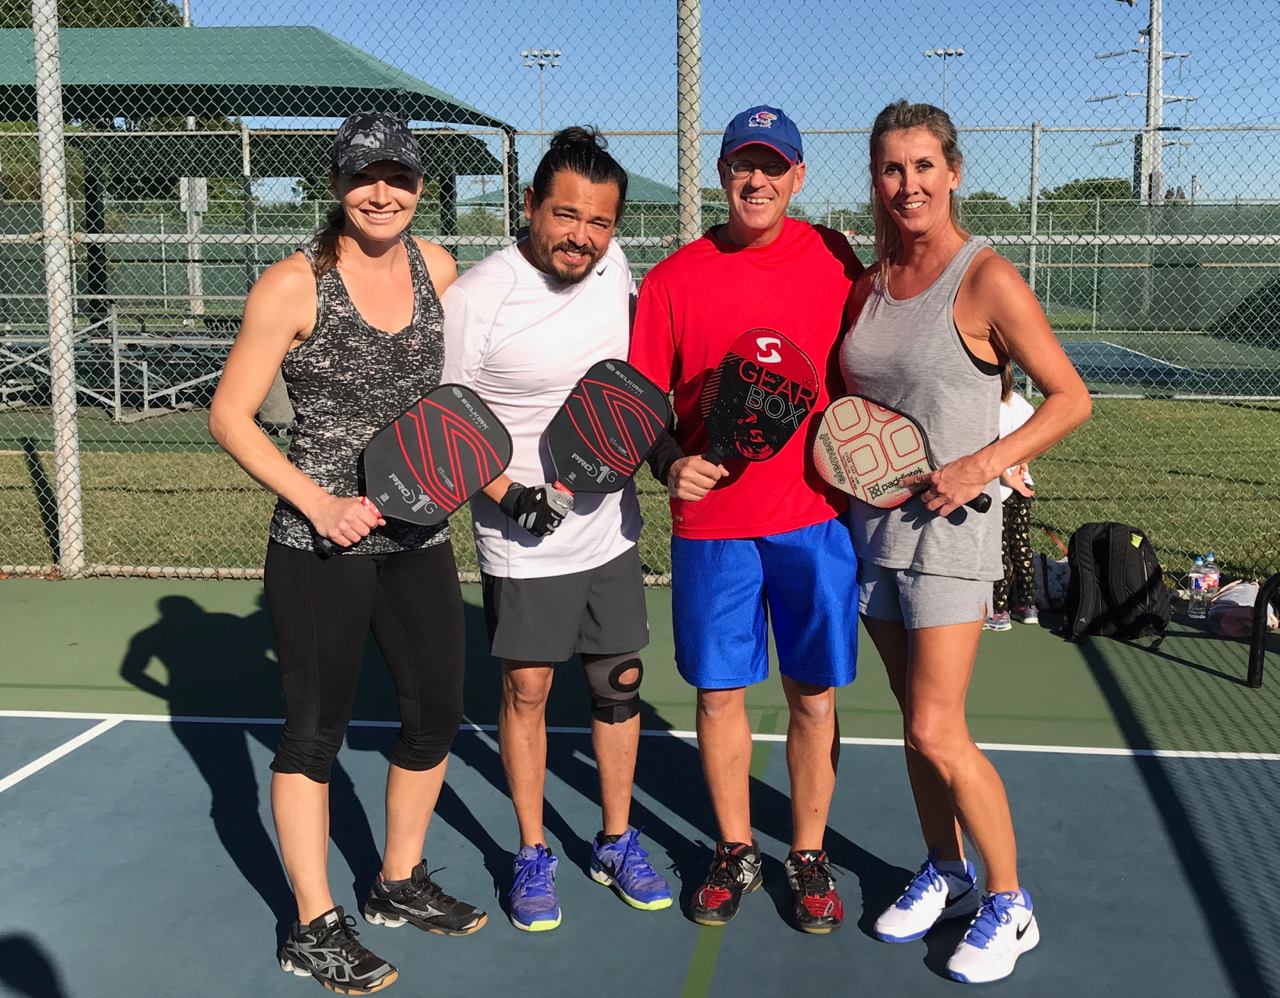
[{"x": 157, "y": 492}]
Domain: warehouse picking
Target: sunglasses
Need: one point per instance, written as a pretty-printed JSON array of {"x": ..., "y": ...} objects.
[{"x": 773, "y": 169}]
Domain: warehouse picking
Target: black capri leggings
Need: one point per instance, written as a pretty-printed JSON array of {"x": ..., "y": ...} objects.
[{"x": 323, "y": 609}]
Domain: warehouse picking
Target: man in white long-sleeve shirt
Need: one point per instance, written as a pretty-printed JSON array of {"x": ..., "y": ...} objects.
[{"x": 561, "y": 575}]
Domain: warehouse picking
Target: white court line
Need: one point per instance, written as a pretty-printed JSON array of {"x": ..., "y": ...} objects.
[
  {"x": 66, "y": 748},
  {"x": 1159, "y": 360},
  {"x": 665, "y": 733}
]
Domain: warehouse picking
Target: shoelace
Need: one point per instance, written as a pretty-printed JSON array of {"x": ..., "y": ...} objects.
[
  {"x": 816, "y": 876},
  {"x": 342, "y": 937},
  {"x": 927, "y": 879},
  {"x": 428, "y": 888},
  {"x": 536, "y": 874},
  {"x": 996, "y": 910},
  {"x": 726, "y": 868},
  {"x": 635, "y": 857}
]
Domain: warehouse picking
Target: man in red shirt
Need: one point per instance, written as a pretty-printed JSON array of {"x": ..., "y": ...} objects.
[{"x": 756, "y": 542}]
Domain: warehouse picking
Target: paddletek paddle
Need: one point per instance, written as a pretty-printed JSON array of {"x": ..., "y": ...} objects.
[
  {"x": 606, "y": 427},
  {"x": 757, "y": 397},
  {"x": 865, "y": 448}
]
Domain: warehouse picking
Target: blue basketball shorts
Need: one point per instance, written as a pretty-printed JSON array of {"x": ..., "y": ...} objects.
[{"x": 726, "y": 593}]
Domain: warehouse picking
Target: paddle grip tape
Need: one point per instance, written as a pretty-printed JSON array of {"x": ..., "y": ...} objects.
[{"x": 613, "y": 701}]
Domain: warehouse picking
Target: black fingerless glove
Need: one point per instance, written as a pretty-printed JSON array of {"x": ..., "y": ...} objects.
[{"x": 538, "y": 509}]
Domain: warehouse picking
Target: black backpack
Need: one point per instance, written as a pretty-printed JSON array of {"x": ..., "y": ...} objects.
[{"x": 1117, "y": 589}]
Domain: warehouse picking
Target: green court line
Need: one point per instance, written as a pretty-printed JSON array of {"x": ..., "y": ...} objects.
[{"x": 706, "y": 951}]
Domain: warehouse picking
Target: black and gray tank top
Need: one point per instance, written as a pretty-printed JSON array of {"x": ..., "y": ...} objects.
[
  {"x": 908, "y": 354},
  {"x": 347, "y": 381}
]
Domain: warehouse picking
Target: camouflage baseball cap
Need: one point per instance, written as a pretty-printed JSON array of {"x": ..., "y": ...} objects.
[{"x": 369, "y": 136}]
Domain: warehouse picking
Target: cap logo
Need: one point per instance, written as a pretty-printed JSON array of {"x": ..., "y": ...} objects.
[{"x": 762, "y": 119}]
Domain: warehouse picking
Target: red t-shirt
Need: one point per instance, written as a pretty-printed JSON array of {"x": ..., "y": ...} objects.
[{"x": 692, "y": 306}]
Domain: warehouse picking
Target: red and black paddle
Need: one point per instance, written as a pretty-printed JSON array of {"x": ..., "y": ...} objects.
[
  {"x": 606, "y": 428},
  {"x": 757, "y": 397},
  {"x": 432, "y": 458}
]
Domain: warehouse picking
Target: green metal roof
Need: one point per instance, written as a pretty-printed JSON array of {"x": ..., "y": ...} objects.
[
  {"x": 258, "y": 72},
  {"x": 640, "y": 190},
  {"x": 271, "y": 154}
]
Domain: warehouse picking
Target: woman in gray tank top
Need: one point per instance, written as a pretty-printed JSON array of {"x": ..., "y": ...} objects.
[
  {"x": 933, "y": 324},
  {"x": 354, "y": 324}
]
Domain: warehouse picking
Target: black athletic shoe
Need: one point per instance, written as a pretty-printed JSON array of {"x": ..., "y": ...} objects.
[
  {"x": 818, "y": 908},
  {"x": 327, "y": 950},
  {"x": 735, "y": 870},
  {"x": 421, "y": 900}
]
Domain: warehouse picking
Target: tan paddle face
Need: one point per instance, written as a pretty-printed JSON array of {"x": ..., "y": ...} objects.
[{"x": 866, "y": 450}]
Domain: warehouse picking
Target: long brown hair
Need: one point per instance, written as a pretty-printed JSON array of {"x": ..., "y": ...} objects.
[
  {"x": 326, "y": 251},
  {"x": 899, "y": 117}
]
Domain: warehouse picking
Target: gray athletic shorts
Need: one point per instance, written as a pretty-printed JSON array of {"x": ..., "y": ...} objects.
[
  {"x": 597, "y": 612},
  {"x": 917, "y": 600}
]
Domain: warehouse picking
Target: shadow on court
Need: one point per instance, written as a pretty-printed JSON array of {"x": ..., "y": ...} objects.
[
  {"x": 27, "y": 970},
  {"x": 1207, "y": 820},
  {"x": 217, "y": 663}
]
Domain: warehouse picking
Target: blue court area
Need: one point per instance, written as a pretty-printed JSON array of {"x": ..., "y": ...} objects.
[
  {"x": 137, "y": 852},
  {"x": 142, "y": 862},
  {"x": 1163, "y": 365}
]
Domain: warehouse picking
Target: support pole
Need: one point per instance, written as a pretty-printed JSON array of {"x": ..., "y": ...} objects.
[
  {"x": 689, "y": 118},
  {"x": 58, "y": 287},
  {"x": 1034, "y": 196}
]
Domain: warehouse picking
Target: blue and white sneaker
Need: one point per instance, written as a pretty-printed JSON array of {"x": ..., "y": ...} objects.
[
  {"x": 534, "y": 904},
  {"x": 1002, "y": 931},
  {"x": 624, "y": 866},
  {"x": 930, "y": 898}
]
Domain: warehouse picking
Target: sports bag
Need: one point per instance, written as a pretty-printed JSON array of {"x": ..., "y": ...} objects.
[{"x": 1116, "y": 589}]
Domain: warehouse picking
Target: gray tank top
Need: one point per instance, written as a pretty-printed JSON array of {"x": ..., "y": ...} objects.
[
  {"x": 347, "y": 381},
  {"x": 909, "y": 356}
]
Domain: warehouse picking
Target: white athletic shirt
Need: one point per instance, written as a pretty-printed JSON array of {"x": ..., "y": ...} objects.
[
  {"x": 521, "y": 340},
  {"x": 1013, "y": 414}
]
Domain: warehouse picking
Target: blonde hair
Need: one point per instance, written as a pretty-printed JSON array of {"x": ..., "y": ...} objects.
[{"x": 899, "y": 117}]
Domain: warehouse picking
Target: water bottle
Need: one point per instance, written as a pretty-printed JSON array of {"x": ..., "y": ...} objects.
[
  {"x": 1212, "y": 577},
  {"x": 1197, "y": 605}
]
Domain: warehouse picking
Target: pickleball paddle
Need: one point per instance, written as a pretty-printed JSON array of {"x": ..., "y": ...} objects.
[
  {"x": 866, "y": 449},
  {"x": 606, "y": 427},
  {"x": 432, "y": 458},
  {"x": 757, "y": 397}
]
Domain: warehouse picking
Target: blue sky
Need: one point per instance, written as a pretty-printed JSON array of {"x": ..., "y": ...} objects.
[{"x": 833, "y": 64}]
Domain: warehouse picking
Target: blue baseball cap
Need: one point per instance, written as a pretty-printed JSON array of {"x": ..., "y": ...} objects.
[{"x": 765, "y": 126}]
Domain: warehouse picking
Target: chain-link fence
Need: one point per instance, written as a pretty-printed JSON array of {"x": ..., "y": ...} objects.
[{"x": 1123, "y": 157}]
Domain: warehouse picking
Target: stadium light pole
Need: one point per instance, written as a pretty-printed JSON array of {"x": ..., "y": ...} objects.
[
  {"x": 944, "y": 54},
  {"x": 541, "y": 59}
]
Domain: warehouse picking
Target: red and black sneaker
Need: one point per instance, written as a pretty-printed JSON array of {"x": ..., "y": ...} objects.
[
  {"x": 735, "y": 870},
  {"x": 818, "y": 908}
]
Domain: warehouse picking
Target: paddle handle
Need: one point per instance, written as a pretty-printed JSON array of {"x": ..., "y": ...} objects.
[
  {"x": 981, "y": 502},
  {"x": 715, "y": 455}
]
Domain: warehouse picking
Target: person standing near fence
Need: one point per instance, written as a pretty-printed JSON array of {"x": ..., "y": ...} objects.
[
  {"x": 354, "y": 322},
  {"x": 561, "y": 573},
  {"x": 933, "y": 321},
  {"x": 761, "y": 542},
  {"x": 1015, "y": 512}
]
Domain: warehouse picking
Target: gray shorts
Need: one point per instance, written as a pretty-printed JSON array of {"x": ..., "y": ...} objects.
[
  {"x": 597, "y": 612},
  {"x": 917, "y": 600}
]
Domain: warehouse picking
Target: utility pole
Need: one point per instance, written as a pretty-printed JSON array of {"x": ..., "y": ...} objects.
[{"x": 1149, "y": 179}]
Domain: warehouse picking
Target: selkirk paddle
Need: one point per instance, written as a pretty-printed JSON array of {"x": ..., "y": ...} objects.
[
  {"x": 757, "y": 397},
  {"x": 606, "y": 427},
  {"x": 866, "y": 449},
  {"x": 433, "y": 458}
]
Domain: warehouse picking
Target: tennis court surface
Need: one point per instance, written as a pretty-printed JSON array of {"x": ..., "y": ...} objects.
[{"x": 136, "y": 852}]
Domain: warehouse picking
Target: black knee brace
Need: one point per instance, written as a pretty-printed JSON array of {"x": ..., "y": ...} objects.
[{"x": 612, "y": 700}]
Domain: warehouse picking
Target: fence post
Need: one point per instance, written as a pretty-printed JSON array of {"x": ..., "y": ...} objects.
[
  {"x": 1097, "y": 255},
  {"x": 117, "y": 394},
  {"x": 689, "y": 117},
  {"x": 1035, "y": 197},
  {"x": 58, "y": 287}
]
